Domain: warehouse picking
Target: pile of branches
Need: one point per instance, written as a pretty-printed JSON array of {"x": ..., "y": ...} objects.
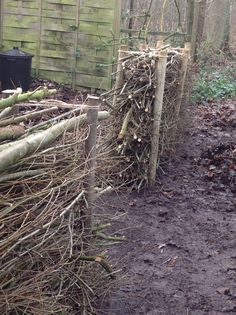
[
  {"x": 132, "y": 108},
  {"x": 48, "y": 265}
]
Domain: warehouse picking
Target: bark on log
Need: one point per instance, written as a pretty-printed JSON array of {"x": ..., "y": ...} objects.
[
  {"x": 6, "y": 113},
  {"x": 7, "y": 102},
  {"x": 16, "y": 98},
  {"x": 11, "y": 132}
]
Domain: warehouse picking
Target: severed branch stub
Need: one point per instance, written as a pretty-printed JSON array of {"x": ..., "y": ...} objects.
[
  {"x": 90, "y": 150},
  {"x": 161, "y": 64}
]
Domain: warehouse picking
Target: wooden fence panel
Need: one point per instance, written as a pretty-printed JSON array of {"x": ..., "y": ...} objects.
[{"x": 72, "y": 40}]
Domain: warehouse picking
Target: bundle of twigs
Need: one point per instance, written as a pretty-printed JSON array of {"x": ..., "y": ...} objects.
[
  {"x": 132, "y": 105},
  {"x": 43, "y": 244},
  {"x": 48, "y": 265}
]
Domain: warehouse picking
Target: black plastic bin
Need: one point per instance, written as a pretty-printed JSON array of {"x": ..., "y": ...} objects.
[{"x": 15, "y": 69}]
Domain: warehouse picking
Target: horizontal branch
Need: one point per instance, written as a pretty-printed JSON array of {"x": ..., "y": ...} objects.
[
  {"x": 18, "y": 98},
  {"x": 34, "y": 143},
  {"x": 29, "y": 116},
  {"x": 21, "y": 175},
  {"x": 155, "y": 32}
]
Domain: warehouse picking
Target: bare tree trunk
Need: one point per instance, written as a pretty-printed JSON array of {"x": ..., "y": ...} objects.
[
  {"x": 201, "y": 22},
  {"x": 131, "y": 18},
  {"x": 232, "y": 32},
  {"x": 190, "y": 6},
  {"x": 218, "y": 25}
]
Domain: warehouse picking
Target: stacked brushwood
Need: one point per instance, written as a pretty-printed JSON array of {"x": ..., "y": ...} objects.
[
  {"x": 132, "y": 102},
  {"x": 48, "y": 265}
]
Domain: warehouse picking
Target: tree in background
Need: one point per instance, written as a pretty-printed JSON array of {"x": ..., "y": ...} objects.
[
  {"x": 218, "y": 25},
  {"x": 201, "y": 21}
]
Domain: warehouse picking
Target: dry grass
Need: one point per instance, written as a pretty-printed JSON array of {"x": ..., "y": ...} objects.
[{"x": 45, "y": 267}]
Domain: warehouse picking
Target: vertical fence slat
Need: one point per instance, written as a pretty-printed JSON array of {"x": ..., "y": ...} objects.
[
  {"x": 157, "y": 114},
  {"x": 39, "y": 39},
  {"x": 1, "y": 23},
  {"x": 90, "y": 150}
]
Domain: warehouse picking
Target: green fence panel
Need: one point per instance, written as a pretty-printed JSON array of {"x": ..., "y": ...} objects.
[{"x": 72, "y": 40}]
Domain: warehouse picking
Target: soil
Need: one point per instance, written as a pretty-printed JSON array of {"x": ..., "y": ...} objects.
[{"x": 180, "y": 253}]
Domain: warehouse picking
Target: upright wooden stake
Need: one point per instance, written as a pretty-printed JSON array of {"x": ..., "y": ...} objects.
[
  {"x": 120, "y": 72},
  {"x": 157, "y": 114},
  {"x": 183, "y": 73},
  {"x": 90, "y": 149}
]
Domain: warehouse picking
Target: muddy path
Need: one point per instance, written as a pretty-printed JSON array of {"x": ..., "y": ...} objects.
[{"x": 180, "y": 256}]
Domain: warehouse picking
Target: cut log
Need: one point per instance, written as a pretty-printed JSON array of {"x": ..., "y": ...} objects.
[
  {"x": 11, "y": 132},
  {"x": 90, "y": 150},
  {"x": 6, "y": 113},
  {"x": 16, "y": 98}
]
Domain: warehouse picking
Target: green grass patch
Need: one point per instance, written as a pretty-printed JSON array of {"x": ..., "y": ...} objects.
[{"x": 214, "y": 83}]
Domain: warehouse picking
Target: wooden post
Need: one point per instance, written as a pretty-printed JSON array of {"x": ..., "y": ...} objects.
[
  {"x": 157, "y": 114},
  {"x": 90, "y": 149},
  {"x": 120, "y": 73},
  {"x": 183, "y": 73},
  {"x": 76, "y": 39},
  {"x": 196, "y": 14}
]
